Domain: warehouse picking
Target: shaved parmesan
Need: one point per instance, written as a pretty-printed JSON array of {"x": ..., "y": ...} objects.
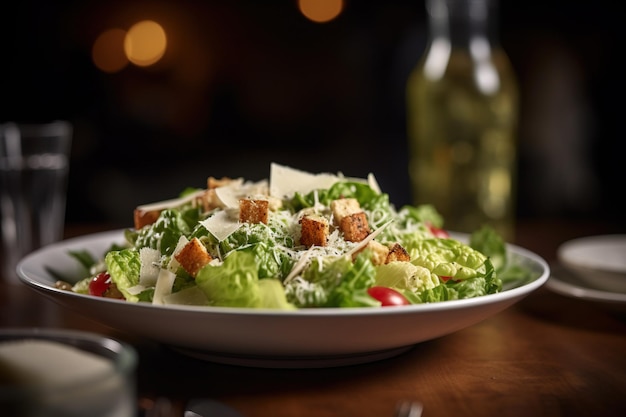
[
  {"x": 221, "y": 225},
  {"x": 163, "y": 286},
  {"x": 149, "y": 270},
  {"x": 299, "y": 266},
  {"x": 371, "y": 181},
  {"x": 174, "y": 264},
  {"x": 136, "y": 289},
  {"x": 286, "y": 181},
  {"x": 368, "y": 239},
  {"x": 229, "y": 194}
]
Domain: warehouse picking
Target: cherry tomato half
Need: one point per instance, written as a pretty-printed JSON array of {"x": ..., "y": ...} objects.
[
  {"x": 438, "y": 232},
  {"x": 99, "y": 284},
  {"x": 388, "y": 296}
]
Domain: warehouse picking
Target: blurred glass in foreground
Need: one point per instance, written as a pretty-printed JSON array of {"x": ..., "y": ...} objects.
[
  {"x": 65, "y": 373},
  {"x": 34, "y": 165},
  {"x": 462, "y": 103}
]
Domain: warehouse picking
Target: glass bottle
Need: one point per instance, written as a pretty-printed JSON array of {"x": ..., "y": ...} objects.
[{"x": 462, "y": 104}]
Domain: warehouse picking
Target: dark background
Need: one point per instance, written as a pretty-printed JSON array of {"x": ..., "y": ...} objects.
[{"x": 254, "y": 82}]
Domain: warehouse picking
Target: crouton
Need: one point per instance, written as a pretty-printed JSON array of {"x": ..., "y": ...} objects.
[
  {"x": 212, "y": 183},
  {"x": 145, "y": 217},
  {"x": 253, "y": 211},
  {"x": 315, "y": 230},
  {"x": 344, "y": 207},
  {"x": 355, "y": 227},
  {"x": 193, "y": 257},
  {"x": 209, "y": 200},
  {"x": 397, "y": 253}
]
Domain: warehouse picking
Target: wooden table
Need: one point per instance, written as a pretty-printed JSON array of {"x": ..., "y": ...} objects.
[{"x": 548, "y": 355}]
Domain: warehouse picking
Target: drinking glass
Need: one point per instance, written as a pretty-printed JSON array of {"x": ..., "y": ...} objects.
[{"x": 34, "y": 165}]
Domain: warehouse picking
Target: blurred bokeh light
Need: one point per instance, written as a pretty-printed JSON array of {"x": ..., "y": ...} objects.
[
  {"x": 108, "y": 51},
  {"x": 320, "y": 11},
  {"x": 145, "y": 43},
  {"x": 319, "y": 84}
]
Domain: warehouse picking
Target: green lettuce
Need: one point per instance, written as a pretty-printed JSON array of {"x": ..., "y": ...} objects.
[
  {"x": 464, "y": 272},
  {"x": 336, "y": 282},
  {"x": 487, "y": 241},
  {"x": 406, "y": 276},
  {"x": 368, "y": 198},
  {"x": 235, "y": 283},
  {"x": 448, "y": 257},
  {"x": 260, "y": 240},
  {"x": 164, "y": 234},
  {"x": 124, "y": 267}
]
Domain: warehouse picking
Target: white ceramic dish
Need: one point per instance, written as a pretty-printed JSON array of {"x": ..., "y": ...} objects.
[
  {"x": 566, "y": 283},
  {"x": 599, "y": 261},
  {"x": 268, "y": 338}
]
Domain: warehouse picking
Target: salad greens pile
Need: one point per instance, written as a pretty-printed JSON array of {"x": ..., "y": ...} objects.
[{"x": 263, "y": 264}]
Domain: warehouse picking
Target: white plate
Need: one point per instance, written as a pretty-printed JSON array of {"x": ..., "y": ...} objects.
[
  {"x": 598, "y": 261},
  {"x": 566, "y": 283},
  {"x": 268, "y": 338}
]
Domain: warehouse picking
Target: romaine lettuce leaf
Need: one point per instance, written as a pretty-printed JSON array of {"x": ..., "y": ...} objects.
[
  {"x": 368, "y": 198},
  {"x": 448, "y": 257},
  {"x": 487, "y": 241},
  {"x": 406, "y": 276},
  {"x": 163, "y": 234},
  {"x": 124, "y": 267},
  {"x": 336, "y": 282},
  {"x": 273, "y": 295},
  {"x": 425, "y": 213},
  {"x": 234, "y": 283}
]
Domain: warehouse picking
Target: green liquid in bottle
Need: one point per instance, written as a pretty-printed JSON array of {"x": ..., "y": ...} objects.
[{"x": 462, "y": 121}]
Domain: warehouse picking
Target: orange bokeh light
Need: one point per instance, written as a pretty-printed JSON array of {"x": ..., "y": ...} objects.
[
  {"x": 320, "y": 11},
  {"x": 145, "y": 43},
  {"x": 107, "y": 52}
]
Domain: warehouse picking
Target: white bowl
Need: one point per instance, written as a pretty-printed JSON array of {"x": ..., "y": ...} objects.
[
  {"x": 598, "y": 261},
  {"x": 56, "y": 372},
  {"x": 270, "y": 338}
]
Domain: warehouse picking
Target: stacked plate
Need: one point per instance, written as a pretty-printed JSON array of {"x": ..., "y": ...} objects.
[{"x": 592, "y": 268}]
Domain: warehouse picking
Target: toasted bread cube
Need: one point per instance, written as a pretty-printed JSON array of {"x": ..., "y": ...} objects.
[
  {"x": 379, "y": 252},
  {"x": 355, "y": 227},
  {"x": 253, "y": 211},
  {"x": 397, "y": 253},
  {"x": 193, "y": 257},
  {"x": 315, "y": 230},
  {"x": 143, "y": 218},
  {"x": 344, "y": 207},
  {"x": 209, "y": 200},
  {"x": 213, "y": 183}
]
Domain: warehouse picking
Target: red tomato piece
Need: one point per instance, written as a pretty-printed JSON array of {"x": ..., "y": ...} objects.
[
  {"x": 99, "y": 284},
  {"x": 441, "y": 233},
  {"x": 388, "y": 296}
]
